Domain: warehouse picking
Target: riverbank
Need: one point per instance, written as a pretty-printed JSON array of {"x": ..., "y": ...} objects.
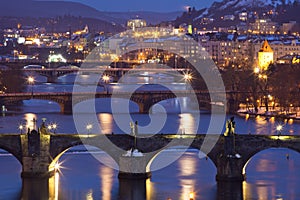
[{"x": 274, "y": 113}]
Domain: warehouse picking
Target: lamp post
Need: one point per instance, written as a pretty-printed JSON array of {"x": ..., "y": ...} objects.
[
  {"x": 89, "y": 128},
  {"x": 21, "y": 128},
  {"x": 187, "y": 79},
  {"x": 262, "y": 82},
  {"x": 106, "y": 78},
  {"x": 279, "y": 129},
  {"x": 49, "y": 127},
  {"x": 31, "y": 82},
  {"x": 54, "y": 127}
]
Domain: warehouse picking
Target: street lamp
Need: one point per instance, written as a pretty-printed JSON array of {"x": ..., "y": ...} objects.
[
  {"x": 49, "y": 127},
  {"x": 31, "y": 82},
  {"x": 89, "y": 128},
  {"x": 263, "y": 84},
  {"x": 256, "y": 70},
  {"x": 105, "y": 78},
  {"x": 21, "y": 128},
  {"x": 279, "y": 129},
  {"x": 54, "y": 127},
  {"x": 187, "y": 79}
]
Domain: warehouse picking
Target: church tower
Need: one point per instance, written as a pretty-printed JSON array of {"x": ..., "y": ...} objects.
[{"x": 265, "y": 56}]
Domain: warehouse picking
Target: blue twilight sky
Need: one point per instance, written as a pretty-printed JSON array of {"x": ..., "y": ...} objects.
[{"x": 144, "y": 5}]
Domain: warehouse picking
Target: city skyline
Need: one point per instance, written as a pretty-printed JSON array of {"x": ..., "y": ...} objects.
[{"x": 136, "y": 5}]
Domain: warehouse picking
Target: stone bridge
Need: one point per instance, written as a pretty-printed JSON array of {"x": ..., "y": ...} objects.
[
  {"x": 39, "y": 151},
  {"x": 54, "y": 70},
  {"x": 116, "y": 73},
  {"x": 19, "y": 64},
  {"x": 144, "y": 99}
]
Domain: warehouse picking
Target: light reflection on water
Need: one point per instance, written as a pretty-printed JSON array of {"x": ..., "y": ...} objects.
[{"x": 176, "y": 122}]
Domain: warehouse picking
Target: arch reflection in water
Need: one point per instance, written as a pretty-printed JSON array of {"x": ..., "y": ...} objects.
[
  {"x": 188, "y": 175},
  {"x": 269, "y": 178}
]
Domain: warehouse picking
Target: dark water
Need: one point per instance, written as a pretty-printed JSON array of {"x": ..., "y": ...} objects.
[{"x": 270, "y": 173}]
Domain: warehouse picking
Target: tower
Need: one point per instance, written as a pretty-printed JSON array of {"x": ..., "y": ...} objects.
[
  {"x": 190, "y": 26},
  {"x": 265, "y": 56}
]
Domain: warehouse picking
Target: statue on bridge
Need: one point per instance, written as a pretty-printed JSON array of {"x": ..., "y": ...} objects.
[
  {"x": 229, "y": 143},
  {"x": 133, "y": 152},
  {"x": 134, "y": 128},
  {"x": 230, "y": 126}
]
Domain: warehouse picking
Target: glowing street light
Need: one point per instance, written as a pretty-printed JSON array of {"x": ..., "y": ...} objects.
[
  {"x": 279, "y": 129},
  {"x": 21, "y": 128},
  {"x": 256, "y": 70},
  {"x": 30, "y": 80},
  {"x": 187, "y": 78},
  {"x": 89, "y": 127},
  {"x": 106, "y": 79},
  {"x": 54, "y": 127},
  {"x": 192, "y": 195}
]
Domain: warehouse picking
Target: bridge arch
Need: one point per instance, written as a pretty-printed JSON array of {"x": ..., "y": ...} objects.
[
  {"x": 12, "y": 152},
  {"x": 88, "y": 149},
  {"x": 178, "y": 152},
  {"x": 12, "y": 144},
  {"x": 50, "y": 105},
  {"x": 260, "y": 151},
  {"x": 103, "y": 104}
]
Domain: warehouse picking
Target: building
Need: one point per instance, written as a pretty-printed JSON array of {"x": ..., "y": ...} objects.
[
  {"x": 136, "y": 23},
  {"x": 287, "y": 27},
  {"x": 227, "y": 50},
  {"x": 263, "y": 26},
  {"x": 265, "y": 56}
]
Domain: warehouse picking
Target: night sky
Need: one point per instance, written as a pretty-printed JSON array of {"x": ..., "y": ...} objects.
[{"x": 144, "y": 5}]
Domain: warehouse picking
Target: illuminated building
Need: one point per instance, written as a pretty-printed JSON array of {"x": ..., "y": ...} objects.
[
  {"x": 84, "y": 31},
  {"x": 80, "y": 39},
  {"x": 136, "y": 23},
  {"x": 263, "y": 26},
  {"x": 265, "y": 56}
]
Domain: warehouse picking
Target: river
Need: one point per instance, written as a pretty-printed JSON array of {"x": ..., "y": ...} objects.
[{"x": 271, "y": 174}]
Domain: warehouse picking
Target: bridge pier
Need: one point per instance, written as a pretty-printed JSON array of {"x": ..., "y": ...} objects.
[
  {"x": 229, "y": 163},
  {"x": 132, "y": 189},
  {"x": 144, "y": 108},
  {"x": 133, "y": 167},
  {"x": 36, "y": 159},
  {"x": 229, "y": 169},
  {"x": 232, "y": 190},
  {"x": 51, "y": 79},
  {"x": 66, "y": 108}
]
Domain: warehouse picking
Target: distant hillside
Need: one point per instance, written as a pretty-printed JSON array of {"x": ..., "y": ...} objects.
[
  {"x": 61, "y": 23},
  {"x": 31, "y": 8},
  {"x": 277, "y": 10}
]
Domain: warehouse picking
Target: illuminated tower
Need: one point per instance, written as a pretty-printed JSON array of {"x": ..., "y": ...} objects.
[
  {"x": 190, "y": 26},
  {"x": 265, "y": 56}
]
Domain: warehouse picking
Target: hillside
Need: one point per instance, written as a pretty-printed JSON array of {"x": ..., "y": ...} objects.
[
  {"x": 215, "y": 16},
  {"x": 31, "y": 8}
]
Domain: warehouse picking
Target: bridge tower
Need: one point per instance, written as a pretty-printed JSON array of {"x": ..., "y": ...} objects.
[{"x": 35, "y": 148}]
